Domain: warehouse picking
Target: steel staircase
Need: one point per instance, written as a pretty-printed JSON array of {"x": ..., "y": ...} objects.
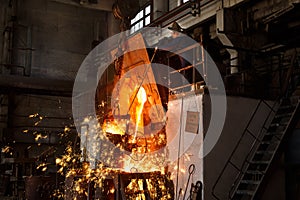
[
  {"x": 245, "y": 179},
  {"x": 280, "y": 121},
  {"x": 263, "y": 152}
]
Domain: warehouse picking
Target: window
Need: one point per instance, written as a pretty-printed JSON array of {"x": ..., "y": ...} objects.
[{"x": 143, "y": 18}]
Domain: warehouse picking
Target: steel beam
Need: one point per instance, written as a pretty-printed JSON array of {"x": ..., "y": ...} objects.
[
  {"x": 104, "y": 5},
  {"x": 31, "y": 85}
]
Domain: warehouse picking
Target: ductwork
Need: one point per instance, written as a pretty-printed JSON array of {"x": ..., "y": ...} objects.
[{"x": 221, "y": 34}]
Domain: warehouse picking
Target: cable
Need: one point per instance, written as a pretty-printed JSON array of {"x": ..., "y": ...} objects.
[{"x": 179, "y": 147}]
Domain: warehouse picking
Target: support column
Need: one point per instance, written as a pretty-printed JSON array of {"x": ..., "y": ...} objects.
[{"x": 113, "y": 25}]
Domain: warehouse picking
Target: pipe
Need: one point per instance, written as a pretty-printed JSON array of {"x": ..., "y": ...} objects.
[
  {"x": 28, "y": 63},
  {"x": 220, "y": 22},
  {"x": 2, "y": 29},
  {"x": 7, "y": 36},
  {"x": 6, "y": 41}
]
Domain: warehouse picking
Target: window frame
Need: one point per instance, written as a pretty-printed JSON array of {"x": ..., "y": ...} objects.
[
  {"x": 142, "y": 18},
  {"x": 182, "y": 1}
]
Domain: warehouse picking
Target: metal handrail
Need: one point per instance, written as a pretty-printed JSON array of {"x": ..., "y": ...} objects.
[
  {"x": 234, "y": 150},
  {"x": 291, "y": 119},
  {"x": 256, "y": 139},
  {"x": 246, "y": 161},
  {"x": 285, "y": 93},
  {"x": 272, "y": 110}
]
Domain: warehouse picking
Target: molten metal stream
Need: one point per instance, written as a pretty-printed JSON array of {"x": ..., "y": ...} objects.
[{"x": 141, "y": 98}]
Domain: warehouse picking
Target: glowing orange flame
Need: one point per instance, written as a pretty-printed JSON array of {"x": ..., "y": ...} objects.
[{"x": 141, "y": 99}]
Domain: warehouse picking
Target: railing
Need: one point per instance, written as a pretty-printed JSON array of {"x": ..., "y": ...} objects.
[
  {"x": 276, "y": 67},
  {"x": 197, "y": 61},
  {"x": 252, "y": 149},
  {"x": 272, "y": 109}
]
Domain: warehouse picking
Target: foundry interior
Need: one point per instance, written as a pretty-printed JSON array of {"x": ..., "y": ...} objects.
[{"x": 149, "y": 99}]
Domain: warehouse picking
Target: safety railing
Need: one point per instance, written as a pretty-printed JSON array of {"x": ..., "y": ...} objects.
[
  {"x": 272, "y": 109},
  {"x": 257, "y": 139}
]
